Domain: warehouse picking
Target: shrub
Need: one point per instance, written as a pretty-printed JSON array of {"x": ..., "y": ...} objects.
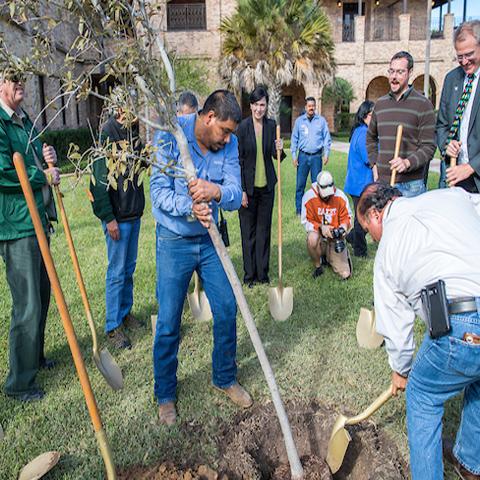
[{"x": 61, "y": 139}]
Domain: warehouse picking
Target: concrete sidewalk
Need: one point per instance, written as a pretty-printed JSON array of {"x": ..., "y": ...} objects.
[{"x": 344, "y": 146}]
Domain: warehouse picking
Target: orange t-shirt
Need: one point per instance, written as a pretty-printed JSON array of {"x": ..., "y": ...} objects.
[{"x": 315, "y": 209}]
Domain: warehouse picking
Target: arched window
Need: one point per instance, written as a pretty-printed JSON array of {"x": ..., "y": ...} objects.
[{"x": 186, "y": 15}]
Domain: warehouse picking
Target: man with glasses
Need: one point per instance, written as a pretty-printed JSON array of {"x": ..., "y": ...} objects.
[
  {"x": 403, "y": 105},
  {"x": 25, "y": 271},
  {"x": 458, "y": 122}
]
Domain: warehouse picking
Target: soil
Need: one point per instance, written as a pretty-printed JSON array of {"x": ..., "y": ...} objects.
[{"x": 251, "y": 447}]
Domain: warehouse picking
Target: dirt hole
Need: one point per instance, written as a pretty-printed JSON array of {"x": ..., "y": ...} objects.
[{"x": 251, "y": 447}]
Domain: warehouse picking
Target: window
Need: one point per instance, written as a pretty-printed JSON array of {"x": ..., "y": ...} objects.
[{"x": 186, "y": 15}]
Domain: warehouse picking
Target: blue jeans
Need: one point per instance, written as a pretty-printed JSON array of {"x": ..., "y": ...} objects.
[
  {"x": 122, "y": 260},
  {"x": 177, "y": 258},
  {"x": 412, "y": 188},
  {"x": 443, "y": 368},
  {"x": 306, "y": 164}
]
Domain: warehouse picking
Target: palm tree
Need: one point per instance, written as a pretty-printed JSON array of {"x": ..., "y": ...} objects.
[{"x": 275, "y": 43}]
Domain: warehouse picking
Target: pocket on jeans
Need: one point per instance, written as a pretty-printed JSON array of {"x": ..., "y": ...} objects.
[
  {"x": 464, "y": 357},
  {"x": 163, "y": 234}
]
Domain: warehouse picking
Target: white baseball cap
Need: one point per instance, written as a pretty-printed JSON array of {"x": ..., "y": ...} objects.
[{"x": 325, "y": 184}]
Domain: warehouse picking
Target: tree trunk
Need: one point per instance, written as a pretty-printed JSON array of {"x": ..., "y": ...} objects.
[
  {"x": 275, "y": 101},
  {"x": 293, "y": 458}
]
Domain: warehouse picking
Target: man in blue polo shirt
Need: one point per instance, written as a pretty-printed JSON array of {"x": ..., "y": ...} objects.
[
  {"x": 183, "y": 214},
  {"x": 309, "y": 143}
]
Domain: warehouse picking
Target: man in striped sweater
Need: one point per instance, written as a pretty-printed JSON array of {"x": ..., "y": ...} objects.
[
  {"x": 326, "y": 217},
  {"x": 406, "y": 106}
]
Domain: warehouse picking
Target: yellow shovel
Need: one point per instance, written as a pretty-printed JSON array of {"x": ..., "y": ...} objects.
[
  {"x": 103, "y": 359},
  {"x": 280, "y": 299},
  {"x": 367, "y": 337},
  {"x": 198, "y": 302},
  {"x": 340, "y": 438},
  {"x": 39, "y": 466}
]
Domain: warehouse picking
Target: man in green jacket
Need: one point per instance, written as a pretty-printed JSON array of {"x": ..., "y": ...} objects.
[{"x": 25, "y": 271}]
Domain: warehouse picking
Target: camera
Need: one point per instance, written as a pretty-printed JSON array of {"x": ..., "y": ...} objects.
[{"x": 337, "y": 234}]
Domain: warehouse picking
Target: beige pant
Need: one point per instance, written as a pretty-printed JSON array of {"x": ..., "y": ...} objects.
[{"x": 340, "y": 262}]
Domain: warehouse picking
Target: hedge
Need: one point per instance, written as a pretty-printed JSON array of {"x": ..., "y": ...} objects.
[{"x": 61, "y": 139}]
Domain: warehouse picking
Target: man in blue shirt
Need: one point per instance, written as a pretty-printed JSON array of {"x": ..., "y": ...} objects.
[
  {"x": 309, "y": 143},
  {"x": 183, "y": 214}
]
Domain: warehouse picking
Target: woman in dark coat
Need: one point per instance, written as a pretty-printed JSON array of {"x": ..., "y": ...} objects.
[{"x": 257, "y": 148}]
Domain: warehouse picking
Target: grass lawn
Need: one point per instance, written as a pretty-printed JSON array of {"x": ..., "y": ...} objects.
[{"x": 314, "y": 355}]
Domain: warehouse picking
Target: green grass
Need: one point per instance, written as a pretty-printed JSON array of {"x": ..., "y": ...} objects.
[{"x": 314, "y": 355}]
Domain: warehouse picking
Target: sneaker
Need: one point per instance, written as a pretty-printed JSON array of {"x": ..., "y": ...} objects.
[
  {"x": 317, "y": 272},
  {"x": 119, "y": 339},
  {"x": 447, "y": 447},
  {"x": 47, "y": 364},
  {"x": 167, "y": 415},
  {"x": 33, "y": 396},
  {"x": 131, "y": 322},
  {"x": 238, "y": 395}
]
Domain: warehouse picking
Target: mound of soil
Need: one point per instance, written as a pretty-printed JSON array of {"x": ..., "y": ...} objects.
[{"x": 251, "y": 447}]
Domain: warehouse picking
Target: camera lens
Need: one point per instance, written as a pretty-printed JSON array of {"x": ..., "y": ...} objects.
[{"x": 339, "y": 246}]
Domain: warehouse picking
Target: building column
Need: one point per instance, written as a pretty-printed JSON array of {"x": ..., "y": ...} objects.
[
  {"x": 405, "y": 6},
  {"x": 404, "y": 27}
]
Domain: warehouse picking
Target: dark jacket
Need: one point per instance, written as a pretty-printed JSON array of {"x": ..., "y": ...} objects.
[
  {"x": 451, "y": 93},
  {"x": 123, "y": 205},
  {"x": 15, "y": 220},
  {"x": 247, "y": 152}
]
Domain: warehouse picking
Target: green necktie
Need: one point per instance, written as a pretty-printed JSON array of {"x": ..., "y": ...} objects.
[{"x": 467, "y": 92}]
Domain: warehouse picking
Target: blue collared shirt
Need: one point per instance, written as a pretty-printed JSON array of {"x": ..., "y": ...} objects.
[
  {"x": 171, "y": 203},
  {"x": 310, "y": 136}
]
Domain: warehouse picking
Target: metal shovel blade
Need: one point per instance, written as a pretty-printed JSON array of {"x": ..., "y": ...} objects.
[
  {"x": 340, "y": 438},
  {"x": 109, "y": 368},
  {"x": 280, "y": 302},
  {"x": 198, "y": 302},
  {"x": 338, "y": 444},
  {"x": 39, "y": 466},
  {"x": 367, "y": 337}
]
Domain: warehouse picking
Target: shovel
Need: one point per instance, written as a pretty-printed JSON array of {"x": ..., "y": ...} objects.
[
  {"x": 367, "y": 337},
  {"x": 198, "y": 302},
  {"x": 82, "y": 373},
  {"x": 398, "y": 143},
  {"x": 280, "y": 299},
  {"x": 39, "y": 466},
  {"x": 340, "y": 438},
  {"x": 104, "y": 361}
]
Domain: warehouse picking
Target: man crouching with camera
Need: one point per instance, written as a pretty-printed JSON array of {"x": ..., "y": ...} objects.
[
  {"x": 327, "y": 217},
  {"x": 428, "y": 264}
]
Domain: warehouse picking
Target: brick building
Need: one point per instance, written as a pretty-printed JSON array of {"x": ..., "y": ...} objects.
[{"x": 366, "y": 35}]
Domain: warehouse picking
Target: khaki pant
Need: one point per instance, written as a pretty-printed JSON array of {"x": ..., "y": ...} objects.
[{"x": 340, "y": 262}]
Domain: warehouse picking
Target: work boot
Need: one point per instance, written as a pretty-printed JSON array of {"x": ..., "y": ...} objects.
[
  {"x": 447, "y": 446},
  {"x": 238, "y": 395},
  {"x": 167, "y": 415},
  {"x": 119, "y": 339},
  {"x": 131, "y": 322},
  {"x": 324, "y": 261},
  {"x": 317, "y": 272}
]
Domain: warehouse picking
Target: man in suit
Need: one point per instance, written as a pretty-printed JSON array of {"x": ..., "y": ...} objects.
[{"x": 458, "y": 122}]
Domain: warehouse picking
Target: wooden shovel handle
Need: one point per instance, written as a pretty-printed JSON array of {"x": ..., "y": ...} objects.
[
  {"x": 398, "y": 143},
  {"x": 57, "y": 292},
  {"x": 279, "y": 200},
  {"x": 453, "y": 162},
  {"x": 76, "y": 264},
  {"x": 370, "y": 410}
]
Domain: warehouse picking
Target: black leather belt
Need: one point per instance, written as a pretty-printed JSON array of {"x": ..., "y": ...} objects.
[
  {"x": 311, "y": 154},
  {"x": 462, "y": 305}
]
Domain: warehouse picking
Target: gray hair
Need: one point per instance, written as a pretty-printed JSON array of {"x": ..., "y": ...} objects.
[{"x": 467, "y": 28}]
